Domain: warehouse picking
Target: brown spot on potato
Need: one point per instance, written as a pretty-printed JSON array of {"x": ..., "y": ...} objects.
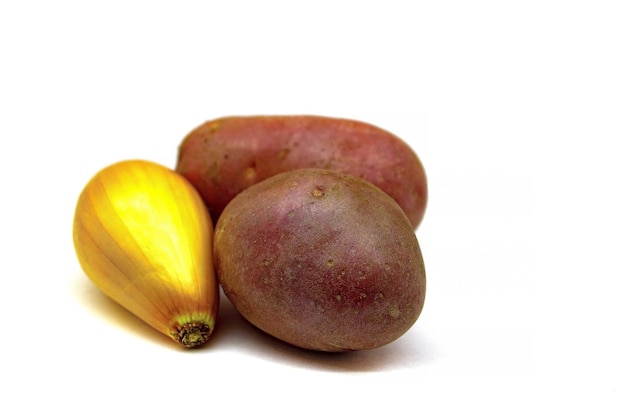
[
  {"x": 213, "y": 173},
  {"x": 250, "y": 174},
  {"x": 213, "y": 127},
  {"x": 283, "y": 154},
  {"x": 318, "y": 192}
]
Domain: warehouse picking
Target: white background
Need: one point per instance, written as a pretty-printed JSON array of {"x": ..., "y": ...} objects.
[{"x": 516, "y": 108}]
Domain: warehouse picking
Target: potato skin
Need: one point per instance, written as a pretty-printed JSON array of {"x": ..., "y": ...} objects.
[
  {"x": 321, "y": 260},
  {"x": 224, "y": 156}
]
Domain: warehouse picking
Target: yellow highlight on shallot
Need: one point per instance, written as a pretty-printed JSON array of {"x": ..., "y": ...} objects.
[{"x": 143, "y": 235}]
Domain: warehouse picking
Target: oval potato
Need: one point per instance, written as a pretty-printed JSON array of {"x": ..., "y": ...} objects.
[{"x": 321, "y": 260}]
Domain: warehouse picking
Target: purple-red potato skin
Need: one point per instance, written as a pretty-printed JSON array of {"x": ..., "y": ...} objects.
[
  {"x": 224, "y": 156},
  {"x": 321, "y": 260}
]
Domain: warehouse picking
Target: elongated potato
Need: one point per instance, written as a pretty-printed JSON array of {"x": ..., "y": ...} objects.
[{"x": 222, "y": 157}]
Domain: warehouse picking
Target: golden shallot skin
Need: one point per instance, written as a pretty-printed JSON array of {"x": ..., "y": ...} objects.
[{"x": 143, "y": 235}]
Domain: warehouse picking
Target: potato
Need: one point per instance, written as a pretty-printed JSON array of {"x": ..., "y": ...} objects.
[
  {"x": 321, "y": 260},
  {"x": 222, "y": 157}
]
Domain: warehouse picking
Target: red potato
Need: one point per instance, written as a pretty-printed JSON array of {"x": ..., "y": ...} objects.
[
  {"x": 222, "y": 157},
  {"x": 321, "y": 260}
]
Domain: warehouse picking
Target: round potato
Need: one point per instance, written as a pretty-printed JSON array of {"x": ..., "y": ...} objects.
[
  {"x": 224, "y": 156},
  {"x": 321, "y": 260}
]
